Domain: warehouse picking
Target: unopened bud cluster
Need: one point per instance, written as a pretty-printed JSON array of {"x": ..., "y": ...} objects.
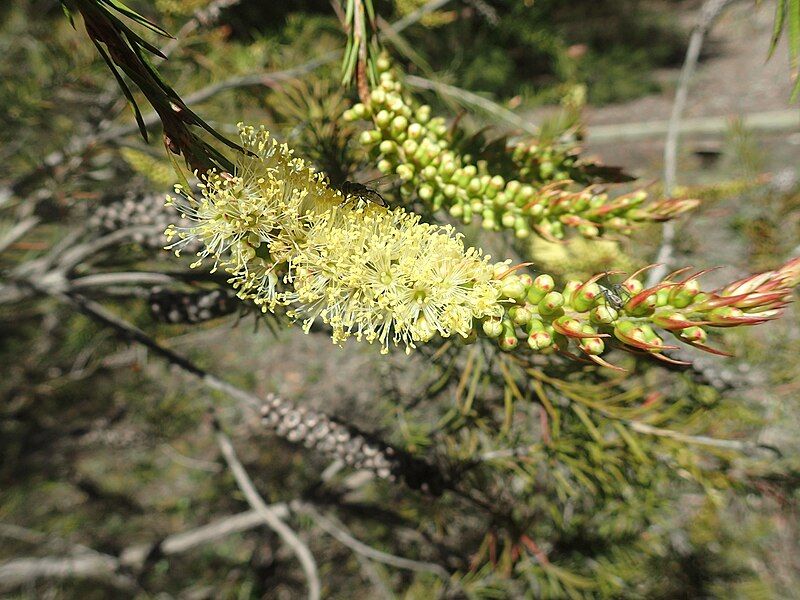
[
  {"x": 318, "y": 431},
  {"x": 584, "y": 317},
  {"x": 170, "y": 306},
  {"x": 408, "y": 141},
  {"x": 146, "y": 214}
]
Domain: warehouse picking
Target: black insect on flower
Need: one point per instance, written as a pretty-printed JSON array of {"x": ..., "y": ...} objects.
[
  {"x": 616, "y": 295},
  {"x": 367, "y": 191}
]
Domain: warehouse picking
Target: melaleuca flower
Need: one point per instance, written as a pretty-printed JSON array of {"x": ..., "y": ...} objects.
[{"x": 287, "y": 238}]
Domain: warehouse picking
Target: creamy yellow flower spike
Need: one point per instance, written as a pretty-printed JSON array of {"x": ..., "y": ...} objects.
[{"x": 288, "y": 239}]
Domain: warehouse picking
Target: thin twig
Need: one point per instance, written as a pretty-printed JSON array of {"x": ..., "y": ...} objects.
[
  {"x": 17, "y": 231},
  {"x": 93, "y": 565},
  {"x": 84, "y": 562},
  {"x": 472, "y": 99},
  {"x": 269, "y": 517},
  {"x": 121, "y": 278},
  {"x": 709, "y": 12},
  {"x": 339, "y": 532},
  {"x": 416, "y": 15}
]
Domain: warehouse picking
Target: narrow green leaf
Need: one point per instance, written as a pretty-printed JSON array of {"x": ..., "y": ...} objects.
[
  {"x": 794, "y": 33},
  {"x": 134, "y": 16},
  {"x": 588, "y": 423},
  {"x": 125, "y": 90},
  {"x": 370, "y": 11},
  {"x": 777, "y": 29},
  {"x": 636, "y": 449}
]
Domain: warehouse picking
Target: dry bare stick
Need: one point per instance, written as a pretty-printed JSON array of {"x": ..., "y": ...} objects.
[
  {"x": 269, "y": 517},
  {"x": 17, "y": 231},
  {"x": 709, "y": 13},
  {"x": 87, "y": 563},
  {"x": 92, "y": 565},
  {"x": 339, "y": 532},
  {"x": 416, "y": 15}
]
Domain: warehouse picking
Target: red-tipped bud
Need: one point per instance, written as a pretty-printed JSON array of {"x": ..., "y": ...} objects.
[
  {"x": 684, "y": 294},
  {"x": 672, "y": 320},
  {"x": 508, "y": 338},
  {"x": 551, "y": 303},
  {"x": 533, "y": 326},
  {"x": 694, "y": 334},
  {"x": 542, "y": 285},
  {"x": 540, "y": 340},
  {"x": 593, "y": 346},
  {"x": 585, "y": 297},
  {"x": 603, "y": 315}
]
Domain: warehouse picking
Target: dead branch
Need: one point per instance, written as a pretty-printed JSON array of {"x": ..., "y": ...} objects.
[{"x": 272, "y": 520}]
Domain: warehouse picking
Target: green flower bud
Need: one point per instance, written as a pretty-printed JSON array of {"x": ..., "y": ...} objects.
[
  {"x": 570, "y": 289},
  {"x": 415, "y": 131},
  {"x": 694, "y": 334},
  {"x": 497, "y": 182},
  {"x": 520, "y": 315},
  {"x": 593, "y": 346},
  {"x": 634, "y": 286},
  {"x": 724, "y": 314},
  {"x": 399, "y": 123},
  {"x": 423, "y": 113},
  {"x": 360, "y": 110},
  {"x": 541, "y": 286},
  {"x": 588, "y": 231},
  {"x": 508, "y": 219},
  {"x": 405, "y": 171},
  {"x": 508, "y": 338},
  {"x": 384, "y": 166},
  {"x": 540, "y": 340},
  {"x": 377, "y": 96},
  {"x": 410, "y": 146},
  {"x": 492, "y": 327},
  {"x": 383, "y": 64},
  {"x": 383, "y": 119},
  {"x": 551, "y": 303},
  {"x": 349, "y": 115},
  {"x": 457, "y": 210},
  {"x": 448, "y": 167},
  {"x": 474, "y": 186},
  {"x": 429, "y": 173},
  {"x": 512, "y": 287},
  {"x": 425, "y": 192},
  {"x": 369, "y": 137},
  {"x": 603, "y": 315},
  {"x": 395, "y": 103},
  {"x": 662, "y": 297},
  {"x": 512, "y": 188},
  {"x": 467, "y": 218},
  {"x": 533, "y": 325},
  {"x": 387, "y": 147}
]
